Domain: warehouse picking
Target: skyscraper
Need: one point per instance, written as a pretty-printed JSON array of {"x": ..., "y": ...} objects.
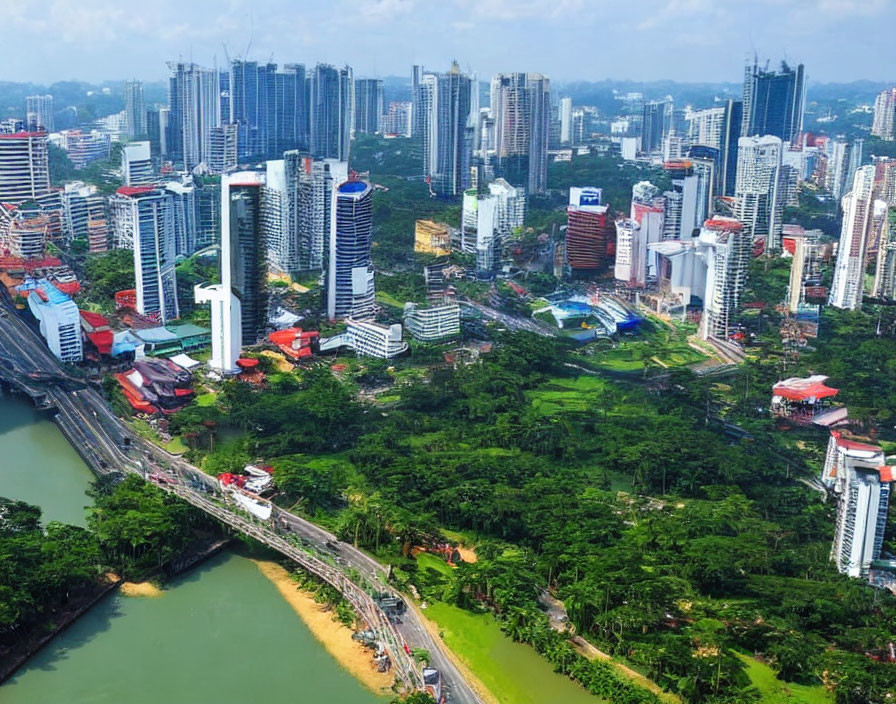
[
  {"x": 520, "y": 107},
  {"x": 726, "y": 247},
  {"x": 24, "y": 167},
  {"x": 861, "y": 483},
  {"x": 758, "y": 201},
  {"x": 143, "y": 221},
  {"x": 885, "y": 268},
  {"x": 134, "y": 109},
  {"x": 884, "y": 124},
  {"x": 182, "y": 195},
  {"x": 243, "y": 249},
  {"x": 39, "y": 113},
  {"x": 251, "y": 107},
  {"x": 846, "y": 288},
  {"x": 194, "y": 100},
  {"x": 442, "y": 109},
  {"x": 728, "y": 139},
  {"x": 331, "y": 108},
  {"x": 773, "y": 102},
  {"x": 350, "y": 291},
  {"x": 368, "y": 105},
  {"x": 656, "y": 123},
  {"x": 565, "y": 121},
  {"x": 291, "y": 108}
]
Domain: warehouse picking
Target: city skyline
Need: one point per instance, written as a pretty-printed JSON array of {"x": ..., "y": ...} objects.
[{"x": 104, "y": 41}]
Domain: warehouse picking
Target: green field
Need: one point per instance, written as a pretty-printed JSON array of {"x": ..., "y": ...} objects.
[
  {"x": 206, "y": 400},
  {"x": 566, "y": 394},
  {"x": 774, "y": 691},
  {"x": 514, "y": 673}
]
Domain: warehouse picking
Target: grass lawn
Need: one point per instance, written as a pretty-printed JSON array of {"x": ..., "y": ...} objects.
[
  {"x": 176, "y": 446},
  {"x": 206, "y": 400},
  {"x": 774, "y": 691},
  {"x": 567, "y": 394},
  {"x": 387, "y": 300},
  {"x": 514, "y": 673}
]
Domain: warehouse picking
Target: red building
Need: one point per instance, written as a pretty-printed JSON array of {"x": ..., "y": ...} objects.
[{"x": 590, "y": 235}]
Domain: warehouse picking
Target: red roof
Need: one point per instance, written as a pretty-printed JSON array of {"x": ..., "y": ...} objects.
[
  {"x": 94, "y": 319},
  {"x": 22, "y": 135},
  {"x": 803, "y": 389},
  {"x": 246, "y": 363},
  {"x": 102, "y": 340},
  {"x": 853, "y": 444},
  {"x": 135, "y": 190},
  {"x": 726, "y": 224},
  {"x": 886, "y": 473}
]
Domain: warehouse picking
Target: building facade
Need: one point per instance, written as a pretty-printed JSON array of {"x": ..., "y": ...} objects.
[
  {"x": 773, "y": 102},
  {"x": 884, "y": 124},
  {"x": 135, "y": 109},
  {"x": 588, "y": 231},
  {"x": 368, "y": 105},
  {"x": 136, "y": 164},
  {"x": 849, "y": 270},
  {"x": 331, "y": 112},
  {"x": 350, "y": 287},
  {"x": 758, "y": 201},
  {"x": 39, "y": 113}
]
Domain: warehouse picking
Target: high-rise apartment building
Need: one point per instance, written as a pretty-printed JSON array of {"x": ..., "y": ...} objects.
[
  {"x": 24, "y": 167},
  {"x": 758, "y": 201},
  {"x": 223, "y": 143},
  {"x": 773, "y": 102},
  {"x": 350, "y": 287},
  {"x": 861, "y": 482},
  {"x": 136, "y": 164},
  {"x": 85, "y": 217},
  {"x": 251, "y": 106},
  {"x": 83, "y": 147},
  {"x": 39, "y": 113},
  {"x": 589, "y": 230},
  {"x": 246, "y": 250},
  {"x": 397, "y": 119},
  {"x": 441, "y": 117},
  {"x": 726, "y": 247},
  {"x": 884, "y": 124},
  {"x": 566, "y": 136},
  {"x": 647, "y": 212},
  {"x": 158, "y": 131},
  {"x": 520, "y": 107},
  {"x": 182, "y": 195},
  {"x": 368, "y": 105},
  {"x": 331, "y": 110},
  {"x": 706, "y": 126},
  {"x": 194, "y": 101},
  {"x": 143, "y": 221},
  {"x": 847, "y": 286},
  {"x": 885, "y": 268},
  {"x": 134, "y": 109}
]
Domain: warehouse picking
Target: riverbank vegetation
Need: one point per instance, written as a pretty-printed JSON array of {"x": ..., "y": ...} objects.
[
  {"x": 713, "y": 549},
  {"x": 48, "y": 571}
]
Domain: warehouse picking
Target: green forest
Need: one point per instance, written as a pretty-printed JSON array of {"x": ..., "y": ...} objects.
[{"x": 680, "y": 550}]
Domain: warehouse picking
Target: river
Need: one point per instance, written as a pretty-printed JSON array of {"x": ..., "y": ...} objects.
[{"x": 221, "y": 633}]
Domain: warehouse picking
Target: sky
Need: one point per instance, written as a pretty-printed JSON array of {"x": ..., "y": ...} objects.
[{"x": 590, "y": 40}]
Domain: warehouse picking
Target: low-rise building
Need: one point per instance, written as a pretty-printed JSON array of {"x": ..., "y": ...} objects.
[
  {"x": 432, "y": 238},
  {"x": 431, "y": 324},
  {"x": 370, "y": 339}
]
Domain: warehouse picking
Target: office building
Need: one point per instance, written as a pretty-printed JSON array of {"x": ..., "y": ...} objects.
[
  {"x": 183, "y": 214},
  {"x": 143, "y": 221},
  {"x": 849, "y": 270},
  {"x": 758, "y": 201},
  {"x": 520, "y": 107},
  {"x": 370, "y": 339},
  {"x": 804, "y": 266},
  {"x": 884, "y": 124},
  {"x": 60, "y": 323},
  {"x": 726, "y": 247},
  {"x": 194, "y": 101},
  {"x": 489, "y": 220},
  {"x": 222, "y": 149},
  {"x": 728, "y": 143},
  {"x": 136, "y": 164},
  {"x": 628, "y": 240},
  {"x": 251, "y": 107},
  {"x": 588, "y": 232},
  {"x": 24, "y": 167},
  {"x": 773, "y": 102},
  {"x": 39, "y": 113},
  {"x": 208, "y": 212},
  {"x": 368, "y": 105},
  {"x": 350, "y": 289},
  {"x": 432, "y": 323},
  {"x": 442, "y": 123},
  {"x": 244, "y": 250},
  {"x": 432, "y": 238},
  {"x": 647, "y": 212},
  {"x": 84, "y": 216},
  {"x": 135, "y": 109},
  {"x": 331, "y": 110},
  {"x": 157, "y": 131},
  {"x": 685, "y": 206},
  {"x": 291, "y": 108},
  {"x": 397, "y": 119},
  {"x": 836, "y": 174},
  {"x": 280, "y": 241},
  {"x": 656, "y": 124},
  {"x": 856, "y": 473},
  {"x": 706, "y": 126}
]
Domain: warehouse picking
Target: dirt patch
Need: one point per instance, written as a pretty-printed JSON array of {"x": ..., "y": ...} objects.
[
  {"x": 467, "y": 554},
  {"x": 279, "y": 360},
  {"x": 334, "y": 636},
  {"x": 141, "y": 589}
]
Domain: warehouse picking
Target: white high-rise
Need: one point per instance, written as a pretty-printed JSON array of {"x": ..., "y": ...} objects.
[
  {"x": 726, "y": 247},
  {"x": 565, "y": 121},
  {"x": 884, "y": 125},
  {"x": 706, "y": 126},
  {"x": 136, "y": 165},
  {"x": 520, "y": 107},
  {"x": 39, "y": 113},
  {"x": 758, "y": 201},
  {"x": 846, "y": 289},
  {"x": 350, "y": 289},
  {"x": 194, "y": 99},
  {"x": 861, "y": 482},
  {"x": 134, "y": 108}
]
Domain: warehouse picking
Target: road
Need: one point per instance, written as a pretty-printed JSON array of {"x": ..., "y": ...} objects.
[
  {"x": 111, "y": 446},
  {"x": 512, "y": 322}
]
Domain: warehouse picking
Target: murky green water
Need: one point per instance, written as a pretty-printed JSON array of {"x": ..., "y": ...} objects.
[{"x": 220, "y": 635}]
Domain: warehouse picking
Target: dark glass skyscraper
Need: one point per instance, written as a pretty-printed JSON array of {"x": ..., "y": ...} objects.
[
  {"x": 330, "y": 109},
  {"x": 656, "y": 122},
  {"x": 368, "y": 105},
  {"x": 350, "y": 292},
  {"x": 773, "y": 102},
  {"x": 731, "y": 128}
]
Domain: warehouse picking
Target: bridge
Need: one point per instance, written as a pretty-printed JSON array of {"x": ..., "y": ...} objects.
[{"x": 110, "y": 447}]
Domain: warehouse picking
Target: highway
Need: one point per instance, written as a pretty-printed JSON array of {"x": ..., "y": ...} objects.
[{"x": 110, "y": 446}]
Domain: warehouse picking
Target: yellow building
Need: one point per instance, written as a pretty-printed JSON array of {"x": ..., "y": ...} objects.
[{"x": 431, "y": 238}]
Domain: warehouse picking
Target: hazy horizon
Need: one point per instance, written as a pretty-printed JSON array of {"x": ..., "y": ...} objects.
[{"x": 688, "y": 41}]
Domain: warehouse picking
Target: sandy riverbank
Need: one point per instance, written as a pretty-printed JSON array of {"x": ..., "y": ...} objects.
[{"x": 335, "y": 637}]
